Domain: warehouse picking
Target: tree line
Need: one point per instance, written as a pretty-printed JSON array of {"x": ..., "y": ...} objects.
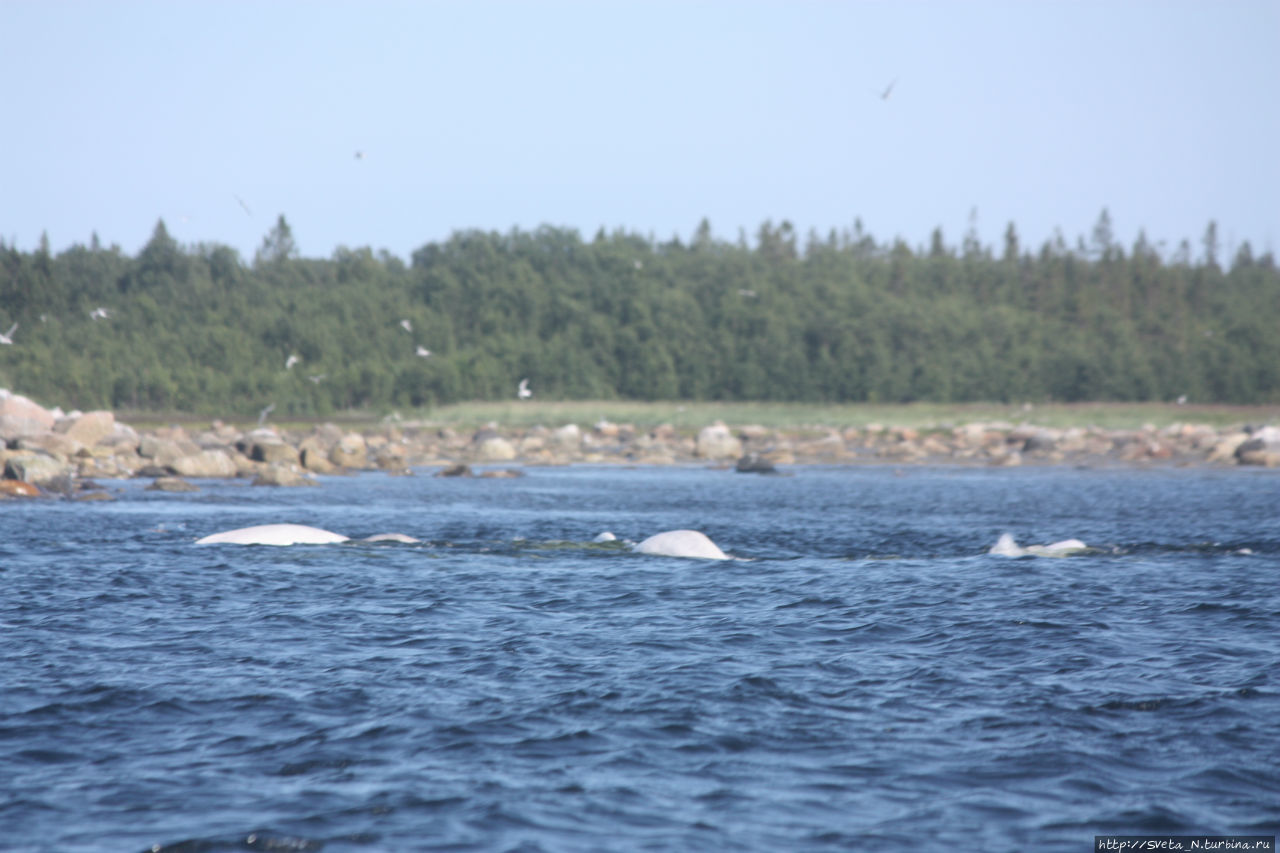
[{"x": 835, "y": 317}]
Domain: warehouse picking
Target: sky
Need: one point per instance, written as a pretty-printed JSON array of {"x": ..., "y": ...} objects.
[{"x": 646, "y": 117}]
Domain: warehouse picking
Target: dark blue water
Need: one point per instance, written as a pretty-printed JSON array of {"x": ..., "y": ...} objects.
[{"x": 866, "y": 678}]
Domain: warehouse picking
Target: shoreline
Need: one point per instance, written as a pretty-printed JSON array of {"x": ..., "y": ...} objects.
[{"x": 47, "y": 451}]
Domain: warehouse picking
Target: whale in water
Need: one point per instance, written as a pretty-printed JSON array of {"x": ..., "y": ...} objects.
[
  {"x": 1006, "y": 546},
  {"x": 682, "y": 543},
  {"x": 273, "y": 534}
]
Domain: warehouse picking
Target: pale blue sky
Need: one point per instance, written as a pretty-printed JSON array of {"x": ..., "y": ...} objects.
[{"x": 645, "y": 116}]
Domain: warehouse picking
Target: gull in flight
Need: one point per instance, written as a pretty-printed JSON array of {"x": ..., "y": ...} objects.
[
  {"x": 406, "y": 325},
  {"x": 359, "y": 155},
  {"x": 7, "y": 337},
  {"x": 262, "y": 416},
  {"x": 884, "y": 96},
  {"x": 290, "y": 362},
  {"x": 247, "y": 211},
  {"x": 99, "y": 314},
  {"x": 523, "y": 391},
  {"x": 316, "y": 377},
  {"x": 423, "y": 351}
]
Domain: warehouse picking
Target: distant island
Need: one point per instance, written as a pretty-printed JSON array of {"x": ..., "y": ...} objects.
[{"x": 820, "y": 318}]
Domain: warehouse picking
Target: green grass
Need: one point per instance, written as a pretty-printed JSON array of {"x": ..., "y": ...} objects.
[
  {"x": 691, "y": 416},
  {"x": 694, "y": 415}
]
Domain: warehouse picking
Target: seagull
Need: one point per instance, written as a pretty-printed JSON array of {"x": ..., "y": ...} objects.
[
  {"x": 290, "y": 362},
  {"x": 359, "y": 155},
  {"x": 523, "y": 391},
  {"x": 99, "y": 313},
  {"x": 316, "y": 377},
  {"x": 423, "y": 351},
  {"x": 262, "y": 416},
  {"x": 406, "y": 325},
  {"x": 247, "y": 211},
  {"x": 7, "y": 337},
  {"x": 884, "y": 96}
]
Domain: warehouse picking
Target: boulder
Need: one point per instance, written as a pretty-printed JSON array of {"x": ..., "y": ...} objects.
[
  {"x": 350, "y": 452},
  {"x": 172, "y": 484},
  {"x": 55, "y": 444},
  {"x": 718, "y": 442},
  {"x": 754, "y": 463},
  {"x": 567, "y": 436},
  {"x": 458, "y": 470},
  {"x": 275, "y": 475},
  {"x": 1224, "y": 450},
  {"x": 273, "y": 452},
  {"x": 88, "y": 428},
  {"x": 38, "y": 468},
  {"x": 21, "y": 416},
  {"x": 205, "y": 463},
  {"x": 495, "y": 449},
  {"x": 19, "y": 489},
  {"x": 316, "y": 461}
]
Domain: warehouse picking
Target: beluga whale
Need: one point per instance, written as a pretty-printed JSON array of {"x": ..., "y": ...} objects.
[
  {"x": 682, "y": 543},
  {"x": 1006, "y": 546},
  {"x": 273, "y": 534}
]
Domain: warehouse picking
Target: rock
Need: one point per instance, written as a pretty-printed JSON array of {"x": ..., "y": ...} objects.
[
  {"x": 1259, "y": 456},
  {"x": 718, "y": 442},
  {"x": 59, "y": 446},
  {"x": 172, "y": 484},
  {"x": 94, "y": 496},
  {"x": 275, "y": 475},
  {"x": 1040, "y": 441},
  {"x": 351, "y": 451},
  {"x": 1224, "y": 450},
  {"x": 754, "y": 463},
  {"x": 458, "y": 470},
  {"x": 568, "y": 436},
  {"x": 35, "y": 468},
  {"x": 315, "y": 460},
  {"x": 19, "y": 489},
  {"x": 273, "y": 452},
  {"x": 122, "y": 438},
  {"x": 88, "y": 428},
  {"x": 393, "y": 457},
  {"x": 205, "y": 463},
  {"x": 502, "y": 474},
  {"x": 21, "y": 416},
  {"x": 495, "y": 449}
]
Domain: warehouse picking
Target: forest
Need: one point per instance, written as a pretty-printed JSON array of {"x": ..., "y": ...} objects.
[{"x": 835, "y": 317}]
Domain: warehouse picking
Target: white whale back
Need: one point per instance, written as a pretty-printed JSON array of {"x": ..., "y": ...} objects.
[
  {"x": 273, "y": 534},
  {"x": 1006, "y": 546},
  {"x": 682, "y": 543}
]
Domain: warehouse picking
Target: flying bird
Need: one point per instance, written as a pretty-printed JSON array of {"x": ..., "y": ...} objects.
[
  {"x": 99, "y": 313},
  {"x": 316, "y": 377},
  {"x": 7, "y": 337},
  {"x": 523, "y": 391},
  {"x": 247, "y": 211},
  {"x": 359, "y": 155},
  {"x": 884, "y": 96},
  {"x": 423, "y": 351},
  {"x": 290, "y": 362},
  {"x": 262, "y": 416},
  {"x": 406, "y": 325}
]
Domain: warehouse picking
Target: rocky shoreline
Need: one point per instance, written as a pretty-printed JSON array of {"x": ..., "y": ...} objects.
[{"x": 47, "y": 451}]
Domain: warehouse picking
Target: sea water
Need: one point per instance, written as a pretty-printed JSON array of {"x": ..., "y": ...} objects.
[{"x": 863, "y": 676}]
